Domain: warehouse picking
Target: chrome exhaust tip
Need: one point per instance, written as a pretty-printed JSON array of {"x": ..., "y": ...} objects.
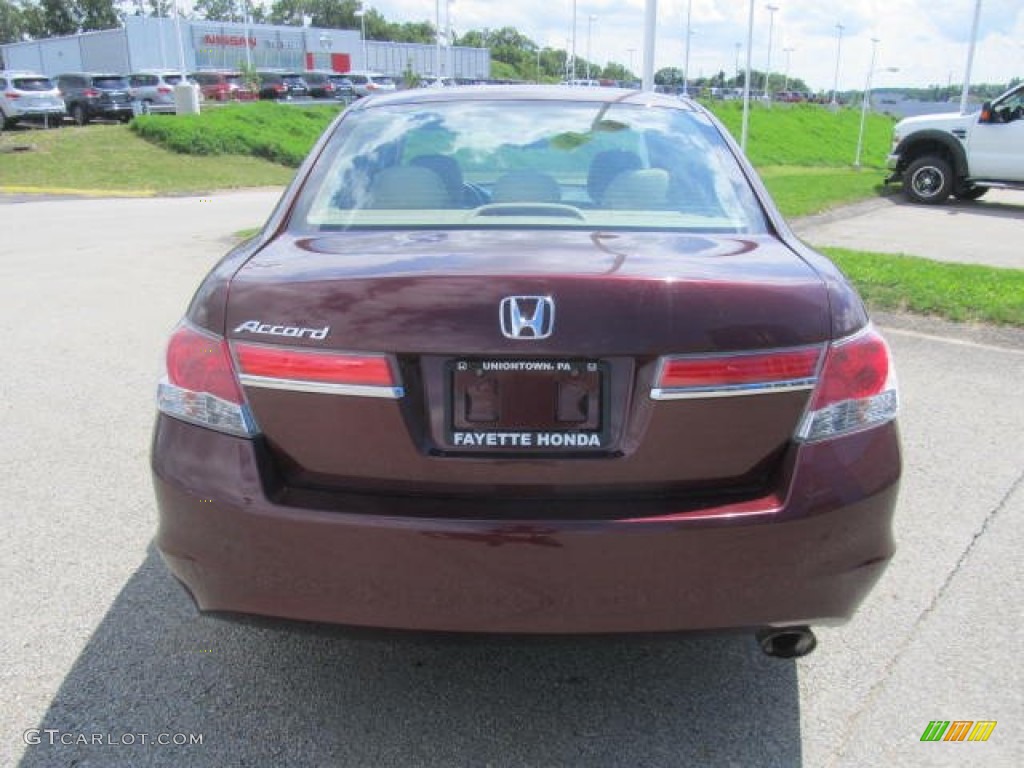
[{"x": 786, "y": 642}]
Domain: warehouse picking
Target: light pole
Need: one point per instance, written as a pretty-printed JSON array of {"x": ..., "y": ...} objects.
[
  {"x": 248, "y": 51},
  {"x": 768, "y": 67},
  {"x": 590, "y": 22},
  {"x": 361, "y": 13},
  {"x": 785, "y": 82},
  {"x": 970, "y": 59},
  {"x": 839, "y": 48},
  {"x": 736, "y": 69},
  {"x": 631, "y": 52},
  {"x": 572, "y": 57},
  {"x": 538, "y": 63},
  {"x": 686, "y": 61},
  {"x": 864, "y": 102},
  {"x": 448, "y": 37},
  {"x": 746, "y": 80},
  {"x": 437, "y": 38}
]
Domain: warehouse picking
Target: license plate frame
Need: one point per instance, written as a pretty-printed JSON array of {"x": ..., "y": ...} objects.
[{"x": 526, "y": 404}]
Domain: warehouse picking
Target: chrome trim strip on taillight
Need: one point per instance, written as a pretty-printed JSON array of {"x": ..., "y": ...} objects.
[
  {"x": 321, "y": 387},
  {"x": 734, "y": 390}
]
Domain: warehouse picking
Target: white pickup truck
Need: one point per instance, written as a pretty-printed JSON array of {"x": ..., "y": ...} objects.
[{"x": 936, "y": 156}]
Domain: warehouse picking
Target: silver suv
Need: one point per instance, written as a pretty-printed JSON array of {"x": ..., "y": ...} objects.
[
  {"x": 369, "y": 83},
  {"x": 29, "y": 96},
  {"x": 154, "y": 89}
]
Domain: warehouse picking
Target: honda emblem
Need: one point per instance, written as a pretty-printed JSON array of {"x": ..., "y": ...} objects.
[{"x": 527, "y": 317}]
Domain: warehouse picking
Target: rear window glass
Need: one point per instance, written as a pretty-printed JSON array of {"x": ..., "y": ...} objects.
[
  {"x": 32, "y": 83},
  {"x": 110, "y": 83},
  {"x": 172, "y": 79},
  {"x": 523, "y": 164},
  {"x": 383, "y": 80},
  {"x": 233, "y": 79}
]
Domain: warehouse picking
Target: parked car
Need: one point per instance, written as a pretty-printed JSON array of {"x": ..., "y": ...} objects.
[
  {"x": 281, "y": 85},
  {"x": 329, "y": 85},
  {"x": 91, "y": 95},
  {"x": 154, "y": 89},
  {"x": 528, "y": 360},
  {"x": 27, "y": 97},
  {"x": 227, "y": 85},
  {"x": 369, "y": 83}
]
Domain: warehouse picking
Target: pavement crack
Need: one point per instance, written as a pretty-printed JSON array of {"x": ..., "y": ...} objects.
[{"x": 890, "y": 666}]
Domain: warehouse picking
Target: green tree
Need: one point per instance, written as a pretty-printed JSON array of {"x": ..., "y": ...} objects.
[
  {"x": 97, "y": 14},
  {"x": 669, "y": 76},
  {"x": 217, "y": 10},
  {"x": 13, "y": 24},
  {"x": 59, "y": 17}
]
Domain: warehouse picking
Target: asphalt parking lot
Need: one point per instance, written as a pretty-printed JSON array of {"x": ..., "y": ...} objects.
[{"x": 100, "y": 646}]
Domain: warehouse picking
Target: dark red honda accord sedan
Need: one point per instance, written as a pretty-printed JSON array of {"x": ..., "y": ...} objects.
[{"x": 528, "y": 360}]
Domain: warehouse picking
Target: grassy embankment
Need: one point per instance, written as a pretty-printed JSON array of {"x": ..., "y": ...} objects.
[{"x": 804, "y": 153}]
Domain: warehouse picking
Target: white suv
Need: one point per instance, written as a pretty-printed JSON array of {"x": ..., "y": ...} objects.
[
  {"x": 29, "y": 96},
  {"x": 154, "y": 89}
]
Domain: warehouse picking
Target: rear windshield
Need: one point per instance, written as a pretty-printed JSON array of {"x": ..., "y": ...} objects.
[
  {"x": 32, "y": 84},
  {"x": 172, "y": 79},
  {"x": 233, "y": 79},
  {"x": 109, "y": 83},
  {"x": 381, "y": 80},
  {"x": 294, "y": 79},
  {"x": 528, "y": 164}
]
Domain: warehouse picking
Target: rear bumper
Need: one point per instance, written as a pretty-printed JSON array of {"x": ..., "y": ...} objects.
[{"x": 807, "y": 559}]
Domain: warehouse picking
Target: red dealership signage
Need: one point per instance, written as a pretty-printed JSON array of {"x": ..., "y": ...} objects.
[{"x": 230, "y": 40}]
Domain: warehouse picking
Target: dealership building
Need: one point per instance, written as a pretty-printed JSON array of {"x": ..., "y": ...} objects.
[{"x": 149, "y": 42}]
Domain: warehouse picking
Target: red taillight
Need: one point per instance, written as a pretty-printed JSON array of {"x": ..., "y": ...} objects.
[
  {"x": 91, "y": 93},
  {"x": 200, "y": 362},
  {"x": 12, "y": 94},
  {"x": 856, "y": 389},
  {"x": 743, "y": 373},
  {"x": 164, "y": 89},
  {"x": 853, "y": 370},
  {"x": 738, "y": 370},
  {"x": 314, "y": 366}
]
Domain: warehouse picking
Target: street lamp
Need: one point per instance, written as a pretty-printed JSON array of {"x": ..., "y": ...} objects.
[
  {"x": 970, "y": 59},
  {"x": 746, "y": 80},
  {"x": 686, "y": 61},
  {"x": 785, "y": 82},
  {"x": 361, "y": 13},
  {"x": 839, "y": 48},
  {"x": 768, "y": 67},
  {"x": 248, "y": 51},
  {"x": 572, "y": 58},
  {"x": 864, "y": 102},
  {"x": 590, "y": 22},
  {"x": 631, "y": 52},
  {"x": 736, "y": 69}
]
